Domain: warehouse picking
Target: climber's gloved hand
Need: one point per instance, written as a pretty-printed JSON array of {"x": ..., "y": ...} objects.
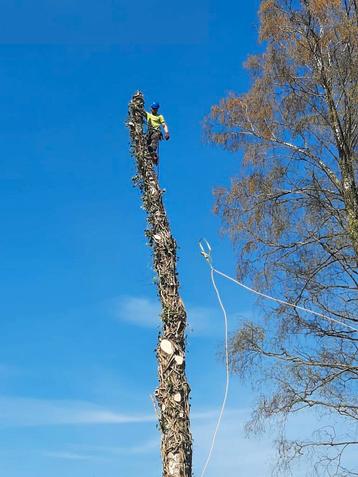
[{"x": 167, "y": 136}]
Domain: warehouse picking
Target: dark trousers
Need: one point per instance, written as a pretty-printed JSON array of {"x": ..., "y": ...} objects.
[{"x": 153, "y": 138}]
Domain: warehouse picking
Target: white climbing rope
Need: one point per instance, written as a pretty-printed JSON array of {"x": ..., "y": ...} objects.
[
  {"x": 227, "y": 371},
  {"x": 206, "y": 252},
  {"x": 283, "y": 302},
  {"x": 207, "y": 256}
]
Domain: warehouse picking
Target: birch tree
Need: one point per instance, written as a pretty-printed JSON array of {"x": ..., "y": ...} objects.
[{"x": 292, "y": 214}]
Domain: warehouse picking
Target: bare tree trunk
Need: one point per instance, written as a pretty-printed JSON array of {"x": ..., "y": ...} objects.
[
  {"x": 350, "y": 195},
  {"x": 172, "y": 395}
]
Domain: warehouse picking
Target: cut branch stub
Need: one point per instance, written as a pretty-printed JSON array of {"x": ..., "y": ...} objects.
[
  {"x": 179, "y": 360},
  {"x": 167, "y": 347}
]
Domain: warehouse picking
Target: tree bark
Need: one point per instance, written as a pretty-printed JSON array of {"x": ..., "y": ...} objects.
[
  {"x": 172, "y": 394},
  {"x": 350, "y": 195}
]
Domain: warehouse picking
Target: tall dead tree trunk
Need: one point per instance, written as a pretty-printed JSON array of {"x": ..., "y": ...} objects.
[{"x": 172, "y": 394}]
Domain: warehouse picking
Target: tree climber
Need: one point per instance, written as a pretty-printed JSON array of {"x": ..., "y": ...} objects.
[{"x": 154, "y": 135}]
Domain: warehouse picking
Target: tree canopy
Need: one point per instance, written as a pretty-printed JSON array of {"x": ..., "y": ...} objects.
[{"x": 292, "y": 213}]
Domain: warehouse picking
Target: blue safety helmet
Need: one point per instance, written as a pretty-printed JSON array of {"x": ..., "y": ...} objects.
[{"x": 155, "y": 105}]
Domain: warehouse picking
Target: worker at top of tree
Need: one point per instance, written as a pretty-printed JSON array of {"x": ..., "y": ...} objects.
[{"x": 155, "y": 122}]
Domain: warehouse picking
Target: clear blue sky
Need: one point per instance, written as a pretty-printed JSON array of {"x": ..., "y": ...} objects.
[{"x": 78, "y": 308}]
